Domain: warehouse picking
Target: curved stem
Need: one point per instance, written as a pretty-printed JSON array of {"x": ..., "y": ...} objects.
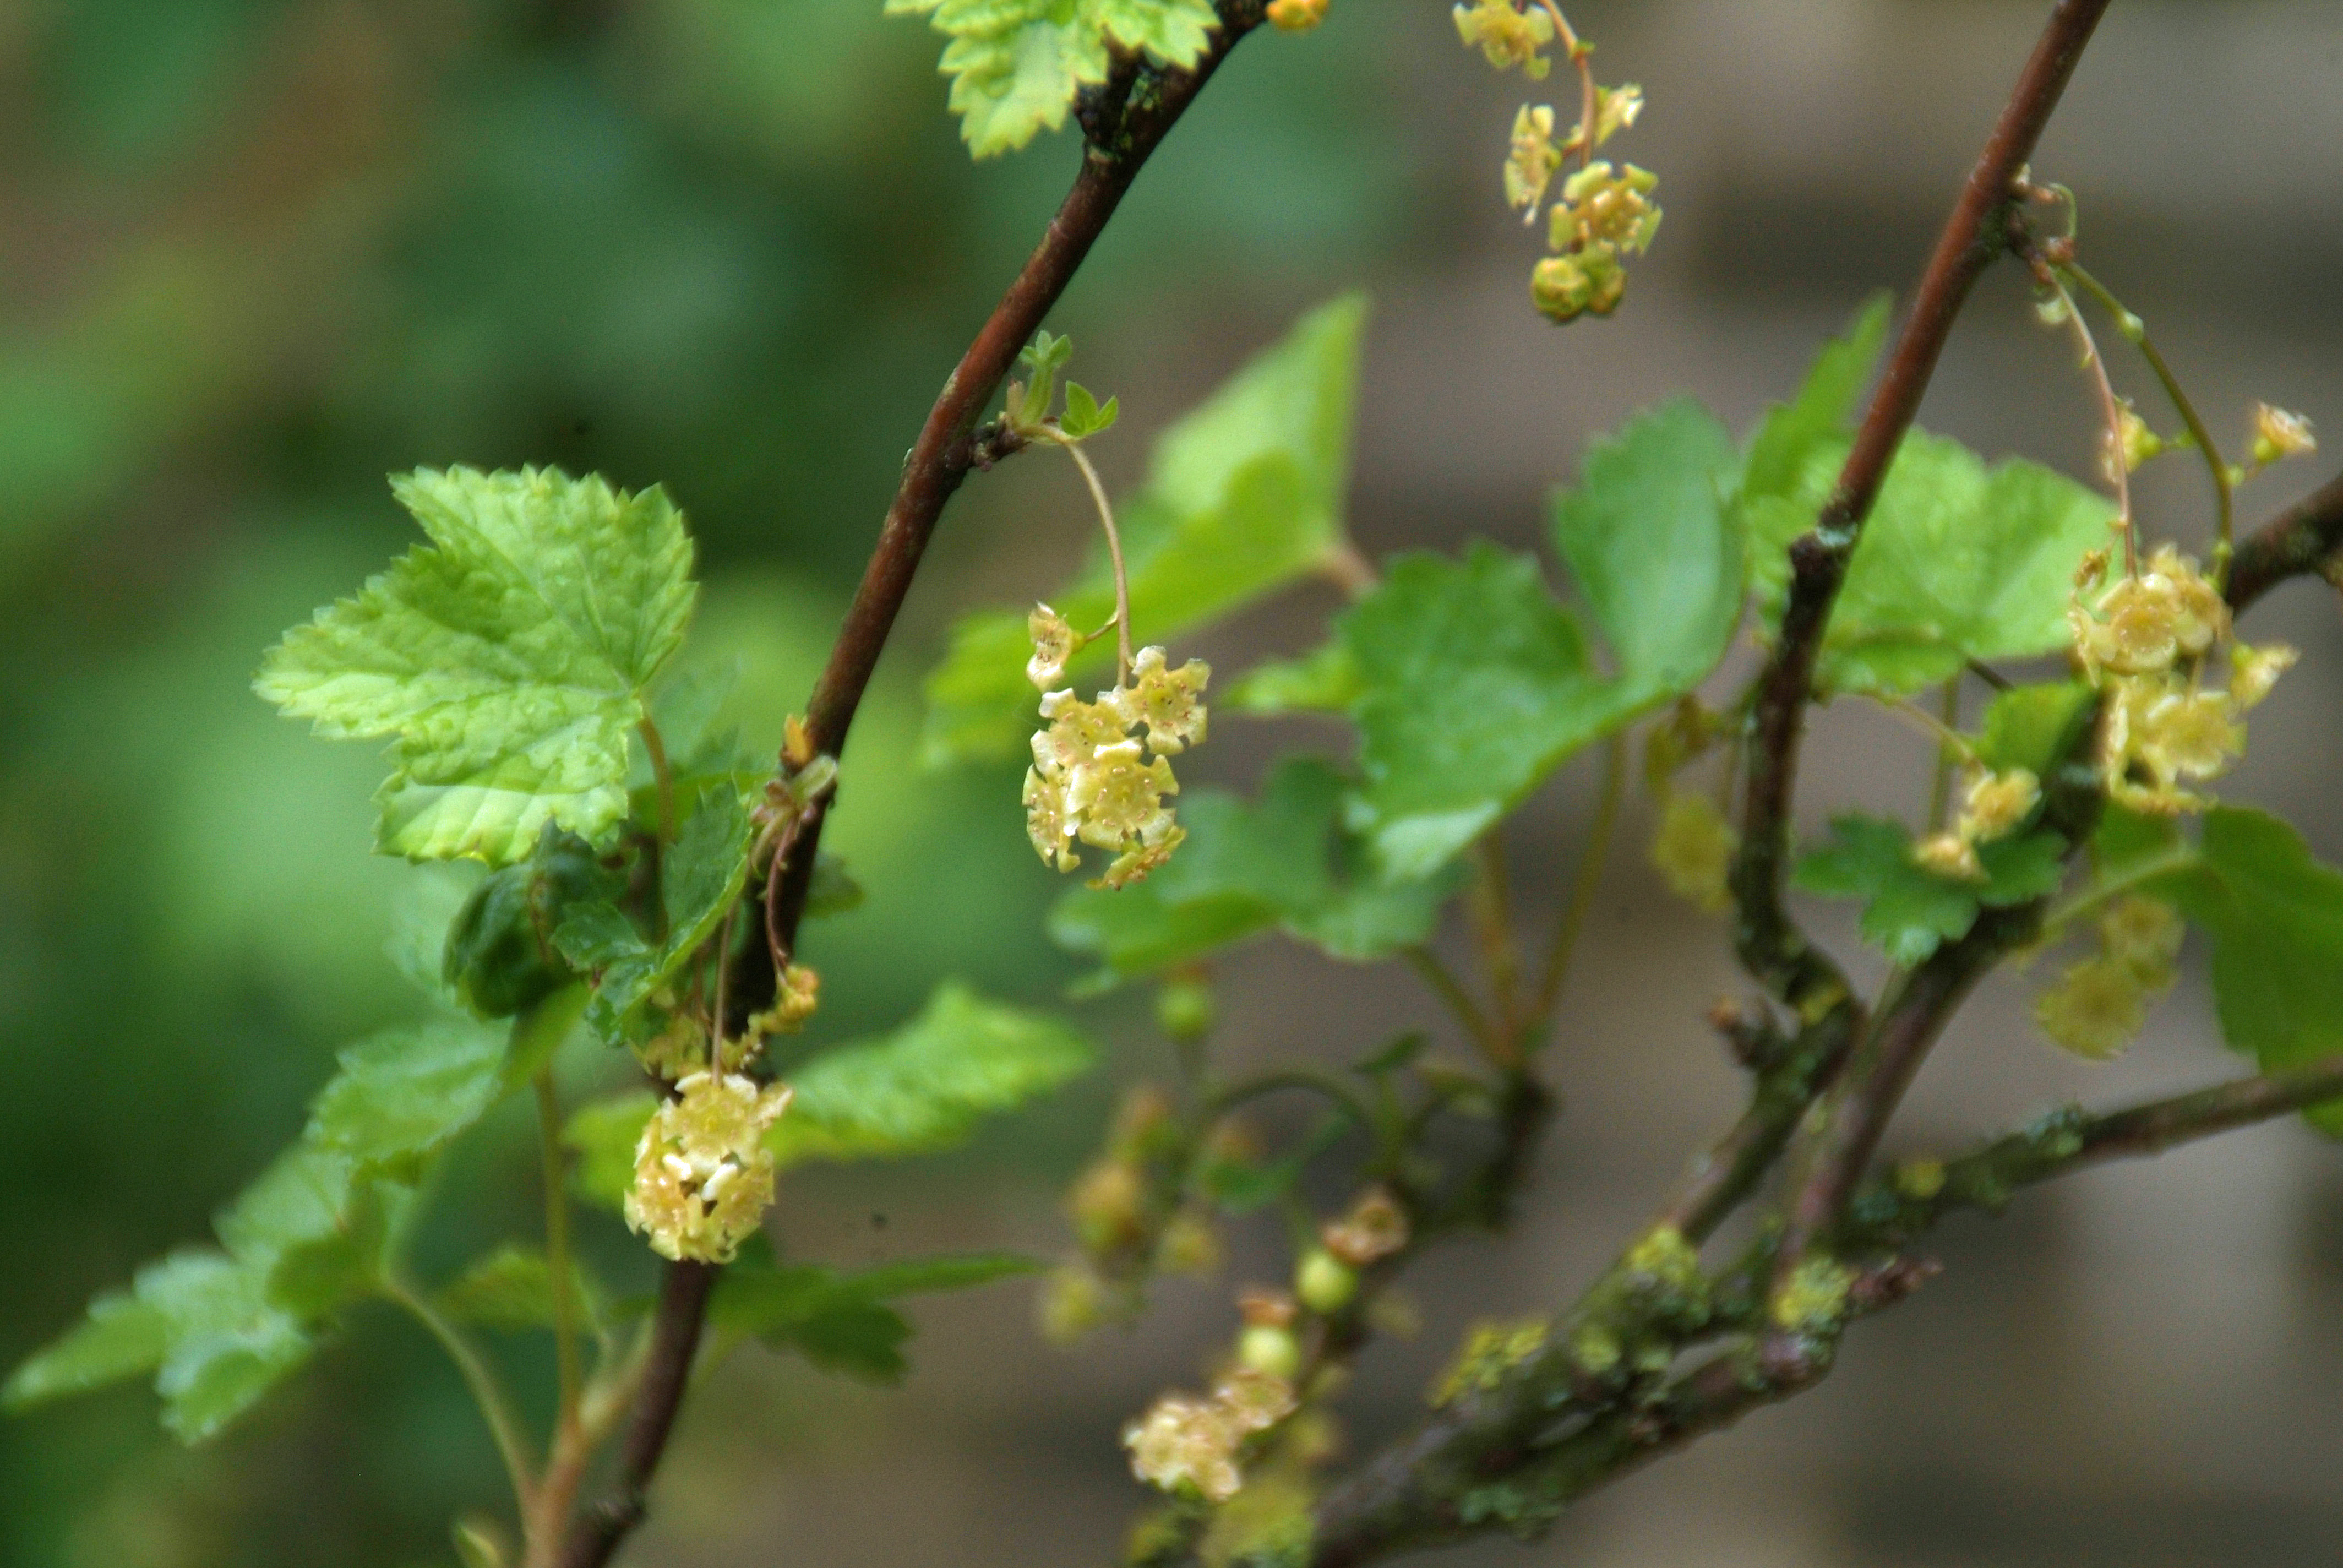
[
  {"x": 561, "y": 1280},
  {"x": 1492, "y": 907},
  {"x": 655, "y": 747},
  {"x": 1584, "y": 885},
  {"x": 2135, "y": 331},
  {"x": 1305, "y": 1080},
  {"x": 496, "y": 1408},
  {"x": 2086, "y": 900},
  {"x": 1459, "y": 1001},
  {"x": 1114, "y": 553},
  {"x": 2114, "y": 457},
  {"x": 1940, "y": 786}
]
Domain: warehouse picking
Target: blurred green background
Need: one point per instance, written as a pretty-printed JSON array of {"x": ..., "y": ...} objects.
[{"x": 255, "y": 253}]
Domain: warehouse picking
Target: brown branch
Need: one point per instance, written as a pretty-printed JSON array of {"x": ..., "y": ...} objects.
[
  {"x": 2307, "y": 538},
  {"x": 1123, "y": 127},
  {"x": 1771, "y": 946}
]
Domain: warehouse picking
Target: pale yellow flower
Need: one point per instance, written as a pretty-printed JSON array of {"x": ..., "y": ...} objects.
[
  {"x": 1076, "y": 730},
  {"x": 1374, "y": 1228},
  {"x": 1054, "y": 642},
  {"x": 2254, "y": 670},
  {"x": 1048, "y": 823},
  {"x": 1948, "y": 854},
  {"x": 1168, "y": 702},
  {"x": 1506, "y": 36},
  {"x": 2144, "y": 935},
  {"x": 2098, "y": 1008},
  {"x": 703, "y": 1177},
  {"x": 1694, "y": 851},
  {"x": 2279, "y": 435},
  {"x": 1606, "y": 206},
  {"x": 1531, "y": 164},
  {"x": 1998, "y": 803},
  {"x": 1134, "y": 865},
  {"x": 1616, "y": 108},
  {"x": 1116, "y": 799},
  {"x": 1182, "y": 1441}
]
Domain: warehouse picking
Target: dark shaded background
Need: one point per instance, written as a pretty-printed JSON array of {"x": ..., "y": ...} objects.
[{"x": 253, "y": 254}]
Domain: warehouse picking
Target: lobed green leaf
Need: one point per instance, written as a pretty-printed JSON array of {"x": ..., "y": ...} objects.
[
  {"x": 1016, "y": 64},
  {"x": 2276, "y": 916},
  {"x": 926, "y": 1086},
  {"x": 838, "y": 1320},
  {"x": 508, "y": 656}
]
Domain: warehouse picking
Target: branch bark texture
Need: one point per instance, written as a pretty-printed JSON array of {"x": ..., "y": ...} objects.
[{"x": 2305, "y": 538}]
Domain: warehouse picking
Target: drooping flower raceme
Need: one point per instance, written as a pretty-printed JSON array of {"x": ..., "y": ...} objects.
[
  {"x": 703, "y": 1177},
  {"x": 1100, "y": 775},
  {"x": 2145, "y": 641},
  {"x": 1188, "y": 1444}
]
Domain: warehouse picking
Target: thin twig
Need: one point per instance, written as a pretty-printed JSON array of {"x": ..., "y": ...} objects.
[
  {"x": 2134, "y": 332},
  {"x": 1458, "y": 1000},
  {"x": 1115, "y": 554},
  {"x": 496, "y": 1407},
  {"x": 1584, "y": 885},
  {"x": 2302, "y": 539},
  {"x": 2114, "y": 461},
  {"x": 1772, "y": 947},
  {"x": 561, "y": 1282},
  {"x": 1123, "y": 133},
  {"x": 1490, "y": 904},
  {"x": 1949, "y": 753}
]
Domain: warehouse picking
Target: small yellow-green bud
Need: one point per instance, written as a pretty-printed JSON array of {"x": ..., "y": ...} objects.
[
  {"x": 1184, "y": 1009},
  {"x": 2279, "y": 435},
  {"x": 1323, "y": 1282},
  {"x": 1296, "y": 16},
  {"x": 1271, "y": 1350}
]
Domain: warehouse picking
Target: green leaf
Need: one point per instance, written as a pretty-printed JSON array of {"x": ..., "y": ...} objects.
[
  {"x": 508, "y": 658},
  {"x": 312, "y": 1227},
  {"x": 512, "y": 1289},
  {"x": 945, "y": 1272},
  {"x": 1243, "y": 497},
  {"x": 1284, "y": 862},
  {"x": 225, "y": 1342},
  {"x": 496, "y": 958},
  {"x": 1016, "y": 64},
  {"x": 1909, "y": 912},
  {"x": 926, "y": 1086},
  {"x": 1793, "y": 433},
  {"x": 603, "y": 1135},
  {"x": 703, "y": 874},
  {"x": 1957, "y": 563},
  {"x": 2032, "y": 726},
  {"x": 1175, "y": 32},
  {"x": 123, "y": 1338},
  {"x": 1083, "y": 417},
  {"x": 1475, "y": 685},
  {"x": 837, "y": 1321},
  {"x": 401, "y": 1095},
  {"x": 1654, "y": 544},
  {"x": 2276, "y": 916},
  {"x": 1324, "y": 680}
]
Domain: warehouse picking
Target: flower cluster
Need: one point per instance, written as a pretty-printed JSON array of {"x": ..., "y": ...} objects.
[
  {"x": 1994, "y": 804},
  {"x": 1507, "y": 35},
  {"x": 703, "y": 1177},
  {"x": 2145, "y": 641},
  {"x": 1092, "y": 780},
  {"x": 1604, "y": 211},
  {"x": 2100, "y": 1003},
  {"x": 1187, "y": 1444},
  {"x": 1131, "y": 1219}
]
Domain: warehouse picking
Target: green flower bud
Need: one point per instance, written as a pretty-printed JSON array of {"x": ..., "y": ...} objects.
[
  {"x": 1324, "y": 1283},
  {"x": 1184, "y": 1010},
  {"x": 1271, "y": 1350}
]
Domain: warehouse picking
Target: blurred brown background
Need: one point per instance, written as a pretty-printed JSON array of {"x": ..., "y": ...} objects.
[{"x": 253, "y": 254}]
